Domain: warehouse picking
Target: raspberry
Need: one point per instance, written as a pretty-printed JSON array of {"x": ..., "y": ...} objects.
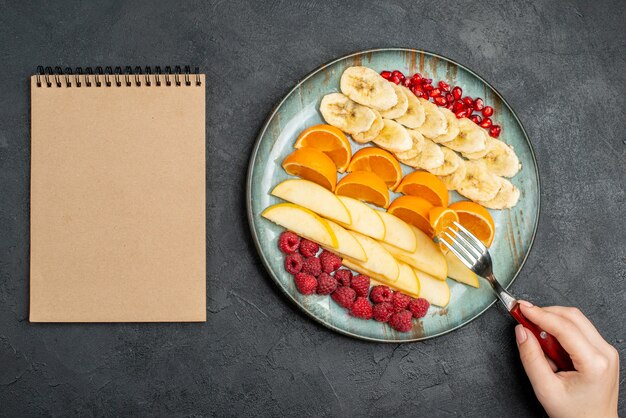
[
  {"x": 381, "y": 294},
  {"x": 419, "y": 307},
  {"x": 330, "y": 261},
  {"x": 401, "y": 321},
  {"x": 293, "y": 263},
  {"x": 361, "y": 308},
  {"x": 400, "y": 301},
  {"x": 344, "y": 277},
  {"x": 312, "y": 265},
  {"x": 326, "y": 284},
  {"x": 383, "y": 311},
  {"x": 288, "y": 242},
  {"x": 344, "y": 296},
  {"x": 305, "y": 283},
  {"x": 361, "y": 285},
  {"x": 308, "y": 248}
]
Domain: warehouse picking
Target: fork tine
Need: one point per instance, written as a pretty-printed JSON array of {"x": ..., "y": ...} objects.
[
  {"x": 467, "y": 243},
  {"x": 471, "y": 236},
  {"x": 457, "y": 254},
  {"x": 459, "y": 248}
]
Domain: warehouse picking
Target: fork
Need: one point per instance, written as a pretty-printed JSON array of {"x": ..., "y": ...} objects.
[{"x": 473, "y": 254}]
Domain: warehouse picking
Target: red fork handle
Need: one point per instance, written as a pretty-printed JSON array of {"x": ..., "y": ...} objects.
[{"x": 550, "y": 345}]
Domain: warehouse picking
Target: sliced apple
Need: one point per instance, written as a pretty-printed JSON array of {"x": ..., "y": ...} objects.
[
  {"x": 459, "y": 272},
  {"x": 312, "y": 196},
  {"x": 347, "y": 245},
  {"x": 398, "y": 232},
  {"x": 379, "y": 261},
  {"x": 356, "y": 266},
  {"x": 364, "y": 219},
  {"x": 407, "y": 281},
  {"x": 437, "y": 292},
  {"x": 303, "y": 222}
]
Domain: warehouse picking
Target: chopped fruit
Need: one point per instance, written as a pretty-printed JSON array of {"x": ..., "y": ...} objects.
[
  {"x": 437, "y": 292},
  {"x": 487, "y": 111},
  {"x": 380, "y": 294},
  {"x": 494, "y": 131},
  {"x": 459, "y": 272},
  {"x": 414, "y": 211},
  {"x": 361, "y": 308},
  {"x": 476, "y": 219},
  {"x": 293, "y": 263},
  {"x": 303, "y": 222},
  {"x": 312, "y": 266},
  {"x": 380, "y": 162},
  {"x": 288, "y": 242},
  {"x": 400, "y": 301},
  {"x": 361, "y": 285},
  {"x": 441, "y": 218},
  {"x": 305, "y": 283},
  {"x": 365, "y": 186},
  {"x": 407, "y": 282},
  {"x": 398, "y": 232},
  {"x": 418, "y": 307},
  {"x": 379, "y": 261},
  {"x": 401, "y": 321},
  {"x": 329, "y": 261},
  {"x": 382, "y": 311},
  {"x": 326, "y": 284},
  {"x": 312, "y": 164},
  {"x": 308, "y": 248},
  {"x": 330, "y": 140},
  {"x": 425, "y": 185},
  {"x": 364, "y": 219},
  {"x": 344, "y": 296},
  {"x": 347, "y": 245},
  {"x": 344, "y": 277}
]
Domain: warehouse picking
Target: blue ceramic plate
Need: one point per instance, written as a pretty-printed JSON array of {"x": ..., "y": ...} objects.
[{"x": 515, "y": 228}]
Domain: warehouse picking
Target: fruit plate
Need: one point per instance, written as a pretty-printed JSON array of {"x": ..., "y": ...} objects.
[{"x": 515, "y": 228}]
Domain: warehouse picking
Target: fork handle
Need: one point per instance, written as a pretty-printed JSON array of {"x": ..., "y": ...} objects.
[{"x": 549, "y": 344}]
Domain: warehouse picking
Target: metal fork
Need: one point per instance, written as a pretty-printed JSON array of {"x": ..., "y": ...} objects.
[{"x": 473, "y": 254}]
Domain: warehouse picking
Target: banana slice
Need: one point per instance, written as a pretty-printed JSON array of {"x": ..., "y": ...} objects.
[
  {"x": 435, "y": 123},
  {"x": 393, "y": 137},
  {"x": 416, "y": 148},
  {"x": 372, "y": 132},
  {"x": 341, "y": 112},
  {"x": 365, "y": 86},
  {"x": 501, "y": 159},
  {"x": 453, "y": 127},
  {"x": 454, "y": 180},
  {"x": 451, "y": 161},
  {"x": 400, "y": 108},
  {"x": 477, "y": 155},
  {"x": 415, "y": 115},
  {"x": 471, "y": 137},
  {"x": 507, "y": 196},
  {"x": 429, "y": 156},
  {"x": 479, "y": 183}
]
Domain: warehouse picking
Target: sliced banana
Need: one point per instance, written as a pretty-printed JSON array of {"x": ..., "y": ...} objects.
[
  {"x": 507, "y": 196},
  {"x": 430, "y": 155},
  {"x": 501, "y": 159},
  {"x": 477, "y": 155},
  {"x": 454, "y": 180},
  {"x": 471, "y": 137},
  {"x": 435, "y": 123},
  {"x": 479, "y": 183},
  {"x": 400, "y": 108},
  {"x": 453, "y": 127},
  {"x": 345, "y": 114},
  {"x": 414, "y": 116},
  {"x": 416, "y": 148},
  {"x": 367, "y": 87},
  {"x": 451, "y": 161},
  {"x": 393, "y": 137},
  {"x": 372, "y": 132}
]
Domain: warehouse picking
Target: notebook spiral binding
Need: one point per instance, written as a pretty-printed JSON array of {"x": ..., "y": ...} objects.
[{"x": 117, "y": 76}]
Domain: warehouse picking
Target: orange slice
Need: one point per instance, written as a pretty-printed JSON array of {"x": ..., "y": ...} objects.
[
  {"x": 476, "y": 219},
  {"x": 441, "y": 218},
  {"x": 413, "y": 210},
  {"x": 366, "y": 186},
  {"x": 330, "y": 140},
  {"x": 425, "y": 185},
  {"x": 378, "y": 161},
  {"x": 312, "y": 164}
]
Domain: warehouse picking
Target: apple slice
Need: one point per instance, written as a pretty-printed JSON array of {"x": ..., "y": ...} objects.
[
  {"x": 303, "y": 222},
  {"x": 398, "y": 232},
  {"x": 312, "y": 196},
  {"x": 459, "y": 272},
  {"x": 426, "y": 257},
  {"x": 407, "y": 281},
  {"x": 347, "y": 245},
  {"x": 379, "y": 261},
  {"x": 435, "y": 291},
  {"x": 364, "y": 219}
]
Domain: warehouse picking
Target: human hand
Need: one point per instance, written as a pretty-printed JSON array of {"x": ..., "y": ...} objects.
[{"x": 591, "y": 390}]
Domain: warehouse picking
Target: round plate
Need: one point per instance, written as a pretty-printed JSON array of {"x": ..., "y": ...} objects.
[{"x": 515, "y": 228}]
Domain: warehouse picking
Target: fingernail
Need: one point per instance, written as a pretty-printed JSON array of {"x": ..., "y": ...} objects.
[
  {"x": 520, "y": 334},
  {"x": 525, "y": 303}
]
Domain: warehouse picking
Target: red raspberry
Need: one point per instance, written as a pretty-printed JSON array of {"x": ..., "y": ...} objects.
[
  {"x": 305, "y": 283},
  {"x": 381, "y": 294},
  {"x": 344, "y": 296},
  {"x": 308, "y": 248},
  {"x": 330, "y": 261},
  {"x": 400, "y": 301},
  {"x": 312, "y": 265},
  {"x": 419, "y": 307},
  {"x": 288, "y": 242},
  {"x": 361, "y": 285},
  {"x": 344, "y": 277},
  {"x": 326, "y": 284},
  {"x": 401, "y": 321},
  {"x": 361, "y": 308},
  {"x": 383, "y": 311},
  {"x": 293, "y": 263}
]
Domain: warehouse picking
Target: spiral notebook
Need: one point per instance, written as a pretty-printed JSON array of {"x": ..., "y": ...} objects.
[{"x": 117, "y": 195}]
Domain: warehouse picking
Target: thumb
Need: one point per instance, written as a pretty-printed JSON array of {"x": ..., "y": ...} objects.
[{"x": 534, "y": 361}]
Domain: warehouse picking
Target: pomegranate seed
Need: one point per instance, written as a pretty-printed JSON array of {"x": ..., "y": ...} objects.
[
  {"x": 468, "y": 101},
  {"x": 462, "y": 113},
  {"x": 417, "y": 78},
  {"x": 417, "y": 91},
  {"x": 449, "y": 97},
  {"x": 494, "y": 131},
  {"x": 440, "y": 101},
  {"x": 407, "y": 82},
  {"x": 449, "y": 106},
  {"x": 427, "y": 87},
  {"x": 444, "y": 86},
  {"x": 488, "y": 111},
  {"x": 479, "y": 104},
  {"x": 398, "y": 74},
  {"x": 476, "y": 119},
  {"x": 458, "y": 105},
  {"x": 435, "y": 93},
  {"x": 395, "y": 79},
  {"x": 486, "y": 123},
  {"x": 457, "y": 92},
  {"x": 427, "y": 81},
  {"x": 385, "y": 74}
]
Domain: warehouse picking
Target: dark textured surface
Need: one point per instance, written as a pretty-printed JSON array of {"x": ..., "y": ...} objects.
[{"x": 559, "y": 64}]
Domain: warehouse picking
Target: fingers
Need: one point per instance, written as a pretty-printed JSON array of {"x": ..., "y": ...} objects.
[
  {"x": 535, "y": 364},
  {"x": 581, "y": 321}
]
